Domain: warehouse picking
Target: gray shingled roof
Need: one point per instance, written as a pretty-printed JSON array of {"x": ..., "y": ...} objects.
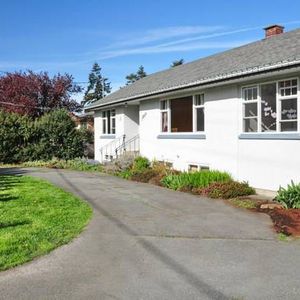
[{"x": 270, "y": 53}]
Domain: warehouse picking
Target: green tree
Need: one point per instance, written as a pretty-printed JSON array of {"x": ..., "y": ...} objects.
[
  {"x": 98, "y": 86},
  {"x": 176, "y": 63},
  {"x": 131, "y": 78}
]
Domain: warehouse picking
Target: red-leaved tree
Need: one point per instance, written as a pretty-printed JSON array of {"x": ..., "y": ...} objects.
[{"x": 33, "y": 94}]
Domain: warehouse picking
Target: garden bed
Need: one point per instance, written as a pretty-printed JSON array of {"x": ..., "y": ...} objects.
[{"x": 286, "y": 221}]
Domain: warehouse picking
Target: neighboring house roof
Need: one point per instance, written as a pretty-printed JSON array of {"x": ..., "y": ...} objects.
[{"x": 268, "y": 54}]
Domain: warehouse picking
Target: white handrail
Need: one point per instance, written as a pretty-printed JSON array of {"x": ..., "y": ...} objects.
[
  {"x": 108, "y": 150},
  {"x": 130, "y": 146}
]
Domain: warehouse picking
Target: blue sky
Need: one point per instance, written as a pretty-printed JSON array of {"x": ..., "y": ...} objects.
[{"x": 68, "y": 36}]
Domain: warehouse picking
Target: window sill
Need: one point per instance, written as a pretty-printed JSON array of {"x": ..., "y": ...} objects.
[
  {"x": 107, "y": 136},
  {"x": 182, "y": 136},
  {"x": 270, "y": 136}
]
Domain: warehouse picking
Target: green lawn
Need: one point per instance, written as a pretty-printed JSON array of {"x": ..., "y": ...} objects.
[{"x": 36, "y": 217}]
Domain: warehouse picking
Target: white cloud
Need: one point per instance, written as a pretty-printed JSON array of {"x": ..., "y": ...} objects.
[
  {"x": 159, "y": 34},
  {"x": 172, "y": 39},
  {"x": 170, "y": 48}
]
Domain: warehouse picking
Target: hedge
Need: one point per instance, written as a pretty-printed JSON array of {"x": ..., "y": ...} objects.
[{"x": 52, "y": 135}]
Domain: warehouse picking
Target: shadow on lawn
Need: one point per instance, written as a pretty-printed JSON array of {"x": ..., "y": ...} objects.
[
  {"x": 14, "y": 223},
  {"x": 12, "y": 171},
  {"x": 7, "y": 183},
  {"x": 8, "y": 180}
]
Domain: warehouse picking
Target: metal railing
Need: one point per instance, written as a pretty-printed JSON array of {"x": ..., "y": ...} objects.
[
  {"x": 108, "y": 152},
  {"x": 130, "y": 147}
]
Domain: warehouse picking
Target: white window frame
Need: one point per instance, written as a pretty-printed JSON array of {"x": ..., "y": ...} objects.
[
  {"x": 195, "y": 107},
  {"x": 279, "y": 98},
  {"x": 112, "y": 116},
  {"x": 165, "y": 110},
  {"x": 200, "y": 167},
  {"x": 283, "y": 98},
  {"x": 105, "y": 119},
  {"x": 244, "y": 102},
  {"x": 194, "y": 115}
]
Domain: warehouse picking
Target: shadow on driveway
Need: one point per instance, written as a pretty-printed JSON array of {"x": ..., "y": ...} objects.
[{"x": 183, "y": 272}]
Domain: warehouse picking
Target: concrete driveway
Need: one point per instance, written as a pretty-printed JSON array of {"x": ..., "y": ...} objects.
[{"x": 147, "y": 242}]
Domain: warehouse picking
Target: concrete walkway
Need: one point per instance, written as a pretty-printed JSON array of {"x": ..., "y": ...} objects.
[{"x": 147, "y": 242}]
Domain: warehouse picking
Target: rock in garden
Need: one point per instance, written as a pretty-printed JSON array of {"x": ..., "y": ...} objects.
[{"x": 271, "y": 206}]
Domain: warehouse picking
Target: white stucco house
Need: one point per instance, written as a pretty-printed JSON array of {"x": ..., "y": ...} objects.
[{"x": 236, "y": 111}]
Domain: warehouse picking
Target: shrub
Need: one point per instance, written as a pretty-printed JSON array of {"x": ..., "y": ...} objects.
[
  {"x": 199, "y": 179},
  {"x": 76, "y": 164},
  {"x": 126, "y": 174},
  {"x": 58, "y": 137},
  {"x": 144, "y": 176},
  {"x": 227, "y": 190},
  {"x": 53, "y": 135},
  {"x": 140, "y": 163},
  {"x": 15, "y": 134},
  {"x": 120, "y": 165},
  {"x": 163, "y": 169},
  {"x": 289, "y": 197}
]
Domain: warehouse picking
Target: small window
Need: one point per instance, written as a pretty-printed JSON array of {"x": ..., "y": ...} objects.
[
  {"x": 193, "y": 168},
  {"x": 109, "y": 122},
  {"x": 199, "y": 112},
  {"x": 288, "y": 87},
  {"x": 113, "y": 125},
  {"x": 164, "y": 115},
  {"x": 204, "y": 168},
  {"x": 250, "y": 115},
  {"x": 288, "y": 101},
  {"x": 289, "y": 114}
]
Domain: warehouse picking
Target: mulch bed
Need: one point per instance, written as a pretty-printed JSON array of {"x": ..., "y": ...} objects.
[{"x": 285, "y": 221}]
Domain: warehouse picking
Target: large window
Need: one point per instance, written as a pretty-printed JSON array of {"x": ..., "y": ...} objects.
[
  {"x": 268, "y": 107},
  {"x": 271, "y": 107},
  {"x": 182, "y": 114},
  {"x": 109, "y": 122}
]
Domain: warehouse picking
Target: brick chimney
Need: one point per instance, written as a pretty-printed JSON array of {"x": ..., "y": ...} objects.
[{"x": 273, "y": 30}]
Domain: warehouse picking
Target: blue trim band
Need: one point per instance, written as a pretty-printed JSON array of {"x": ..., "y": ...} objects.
[
  {"x": 108, "y": 136},
  {"x": 269, "y": 136},
  {"x": 182, "y": 136}
]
